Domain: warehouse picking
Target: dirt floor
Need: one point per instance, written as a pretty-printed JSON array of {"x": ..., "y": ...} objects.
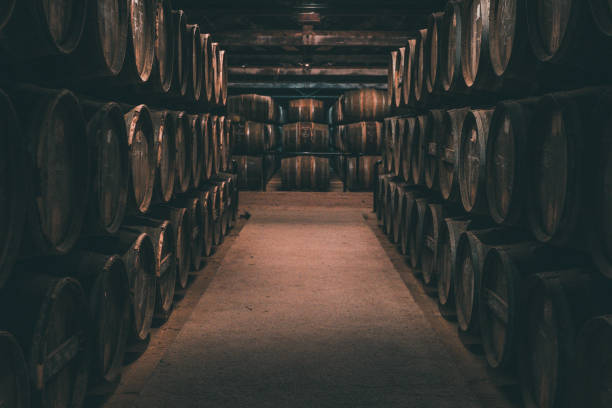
[{"x": 308, "y": 305}]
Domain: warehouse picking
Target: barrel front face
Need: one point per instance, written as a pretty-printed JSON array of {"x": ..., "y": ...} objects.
[
  {"x": 433, "y": 52},
  {"x": 602, "y": 14},
  {"x": 409, "y": 68},
  {"x": 112, "y": 30},
  {"x": 165, "y": 247},
  {"x": 444, "y": 266},
  {"x": 392, "y": 76},
  {"x": 182, "y": 68},
  {"x": 449, "y": 146},
  {"x": 207, "y": 86},
  {"x": 164, "y": 44},
  {"x": 476, "y": 36},
  {"x": 451, "y": 43},
  {"x": 421, "y": 66},
  {"x": 182, "y": 139},
  {"x": 433, "y": 134},
  {"x": 466, "y": 285},
  {"x": 548, "y": 23},
  {"x": 142, "y": 157},
  {"x": 196, "y": 60},
  {"x": 431, "y": 229},
  {"x": 6, "y": 12},
  {"x": 142, "y": 36},
  {"x": 502, "y": 29},
  {"x": 418, "y": 149},
  {"x": 165, "y": 131},
  {"x": 15, "y": 391},
  {"x": 196, "y": 149}
]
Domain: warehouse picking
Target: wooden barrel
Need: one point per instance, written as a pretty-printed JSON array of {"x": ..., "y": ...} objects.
[
  {"x": 102, "y": 50},
  {"x": 140, "y": 55},
  {"x": 475, "y": 60},
  {"x": 164, "y": 127},
  {"x": 399, "y": 77},
  {"x": 52, "y": 326},
  {"x": 557, "y": 305},
  {"x": 208, "y": 127},
  {"x": 37, "y": 29},
  {"x": 6, "y": 12},
  {"x": 216, "y": 204},
  {"x": 223, "y": 77},
  {"x": 506, "y": 160},
  {"x": 163, "y": 237},
  {"x": 250, "y": 172},
  {"x": 392, "y": 79},
  {"x": 409, "y": 69},
  {"x": 105, "y": 281},
  {"x": 233, "y": 197},
  {"x": 216, "y": 73},
  {"x": 195, "y": 212},
  {"x": 417, "y": 230},
  {"x": 250, "y": 138},
  {"x": 432, "y": 52},
  {"x": 253, "y": 107},
  {"x": 407, "y": 137},
  {"x": 449, "y": 146},
  {"x": 400, "y": 138},
  {"x": 220, "y": 158},
  {"x": 504, "y": 273},
  {"x": 182, "y": 63},
  {"x": 557, "y": 164},
  {"x": 400, "y": 195},
  {"x": 336, "y": 111},
  {"x": 14, "y": 372},
  {"x": 470, "y": 256},
  {"x": 592, "y": 379},
  {"x": 107, "y": 139},
  {"x": 365, "y": 105},
  {"x": 272, "y": 134},
  {"x": 163, "y": 66},
  {"x": 197, "y": 71},
  {"x": 305, "y": 137},
  {"x": 407, "y": 225},
  {"x": 432, "y": 223},
  {"x": 390, "y": 210},
  {"x": 360, "y": 172},
  {"x": 601, "y": 12},
  {"x": 305, "y": 173},
  {"x": 434, "y": 129},
  {"x": 364, "y": 137},
  {"x": 472, "y": 160},
  {"x": 451, "y": 34},
  {"x": 197, "y": 147},
  {"x": 207, "y": 226},
  {"x": 417, "y": 147},
  {"x": 222, "y": 207},
  {"x": 225, "y": 144},
  {"x": 213, "y": 144},
  {"x": 306, "y": 110},
  {"x": 55, "y": 132},
  {"x": 388, "y": 129},
  {"x": 208, "y": 85},
  {"x": 13, "y": 205},
  {"x": 141, "y": 143},
  {"x": 183, "y": 156},
  {"x": 420, "y": 68},
  {"x": 182, "y": 224}
]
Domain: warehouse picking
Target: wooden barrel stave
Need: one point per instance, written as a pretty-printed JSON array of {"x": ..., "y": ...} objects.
[
  {"x": 208, "y": 83},
  {"x": 409, "y": 69},
  {"x": 407, "y": 226}
]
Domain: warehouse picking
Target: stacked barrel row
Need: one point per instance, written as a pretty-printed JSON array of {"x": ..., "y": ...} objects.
[
  {"x": 306, "y": 132},
  {"x": 107, "y": 207},
  {"x": 503, "y": 210},
  {"x": 256, "y": 131},
  {"x": 357, "y": 128}
]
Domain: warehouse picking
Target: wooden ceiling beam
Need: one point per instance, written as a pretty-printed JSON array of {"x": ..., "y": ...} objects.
[
  {"x": 317, "y": 59},
  {"x": 304, "y": 85},
  {"x": 297, "y": 38},
  {"x": 304, "y": 71}
]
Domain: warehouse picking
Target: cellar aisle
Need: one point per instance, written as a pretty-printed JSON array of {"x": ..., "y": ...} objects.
[{"x": 307, "y": 310}]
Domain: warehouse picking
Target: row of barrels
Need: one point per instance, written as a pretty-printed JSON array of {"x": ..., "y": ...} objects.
[
  {"x": 131, "y": 42},
  {"x": 541, "y": 313},
  {"x": 305, "y": 173},
  {"x": 492, "y": 46},
  {"x": 541, "y": 163},
  {"x": 77, "y": 167},
  {"x": 256, "y": 108},
  {"x": 360, "y": 105},
  {"x": 254, "y": 172},
  {"x": 79, "y": 314}
]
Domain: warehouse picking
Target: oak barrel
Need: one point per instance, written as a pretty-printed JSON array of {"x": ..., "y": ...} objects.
[
  {"x": 140, "y": 55},
  {"x": 164, "y": 127},
  {"x": 258, "y": 108},
  {"x": 417, "y": 148},
  {"x": 197, "y": 149},
  {"x": 251, "y": 173},
  {"x": 475, "y": 60},
  {"x": 363, "y": 137},
  {"x": 452, "y": 32},
  {"x": 182, "y": 60},
  {"x": 434, "y": 129},
  {"x": 360, "y": 172},
  {"x": 305, "y": 137},
  {"x": 208, "y": 85},
  {"x": 306, "y": 110},
  {"x": 16, "y": 393},
  {"x": 163, "y": 65},
  {"x": 305, "y": 173},
  {"x": 410, "y": 64},
  {"x": 365, "y": 105},
  {"x": 421, "y": 68},
  {"x": 195, "y": 85},
  {"x": 432, "y": 52},
  {"x": 183, "y": 139},
  {"x": 448, "y": 153}
]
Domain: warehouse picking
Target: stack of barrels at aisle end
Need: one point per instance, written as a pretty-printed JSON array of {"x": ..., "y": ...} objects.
[
  {"x": 357, "y": 130},
  {"x": 306, "y": 132},
  {"x": 494, "y": 185},
  {"x": 255, "y": 120},
  {"x": 107, "y": 205}
]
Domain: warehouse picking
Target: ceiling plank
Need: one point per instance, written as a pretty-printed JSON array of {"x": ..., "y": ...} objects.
[
  {"x": 299, "y": 71},
  {"x": 297, "y": 38},
  {"x": 304, "y": 85},
  {"x": 379, "y": 60}
]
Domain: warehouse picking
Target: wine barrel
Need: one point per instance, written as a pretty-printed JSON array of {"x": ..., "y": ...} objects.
[
  {"x": 360, "y": 172},
  {"x": 390, "y": 210},
  {"x": 182, "y": 224},
  {"x": 222, "y": 78},
  {"x": 557, "y": 164},
  {"x": 407, "y": 148},
  {"x": 557, "y": 306},
  {"x": 420, "y": 68},
  {"x": 397, "y": 215},
  {"x": 197, "y": 71},
  {"x": 335, "y": 111},
  {"x": 506, "y": 155},
  {"x": 37, "y": 29},
  {"x": 215, "y": 204},
  {"x": 364, "y": 137},
  {"x": 305, "y": 137},
  {"x": 250, "y": 172},
  {"x": 208, "y": 127},
  {"x": 271, "y": 133},
  {"x": 592, "y": 379},
  {"x": 52, "y": 326},
  {"x": 417, "y": 149},
  {"x": 434, "y": 129},
  {"x": 12, "y": 188},
  {"x": 398, "y": 141},
  {"x": 6, "y": 12},
  {"x": 141, "y": 142},
  {"x": 416, "y": 232},
  {"x": 305, "y": 173},
  {"x": 475, "y": 60},
  {"x": 164, "y": 127},
  {"x": 182, "y": 63},
  {"x": 164, "y": 247},
  {"x": 472, "y": 160},
  {"x": 197, "y": 149},
  {"x": 224, "y": 142},
  {"x": 107, "y": 139},
  {"x": 140, "y": 55},
  {"x": 449, "y": 145},
  {"x": 216, "y": 69},
  {"x": 234, "y": 196},
  {"x": 601, "y": 12},
  {"x": 392, "y": 79},
  {"x": 409, "y": 70},
  {"x": 472, "y": 249},
  {"x": 55, "y": 132},
  {"x": 163, "y": 65},
  {"x": 399, "y": 77},
  {"x": 213, "y": 144},
  {"x": 432, "y": 52},
  {"x": 504, "y": 273},
  {"x": 207, "y": 226},
  {"x": 365, "y": 105},
  {"x": 407, "y": 226},
  {"x": 451, "y": 34},
  {"x": 253, "y": 107},
  {"x": 432, "y": 224},
  {"x": 221, "y": 207},
  {"x": 14, "y": 372},
  {"x": 102, "y": 49},
  {"x": 220, "y": 158},
  {"x": 105, "y": 281},
  {"x": 195, "y": 212},
  {"x": 306, "y": 110},
  {"x": 390, "y": 143},
  {"x": 183, "y": 157},
  {"x": 208, "y": 85}
]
